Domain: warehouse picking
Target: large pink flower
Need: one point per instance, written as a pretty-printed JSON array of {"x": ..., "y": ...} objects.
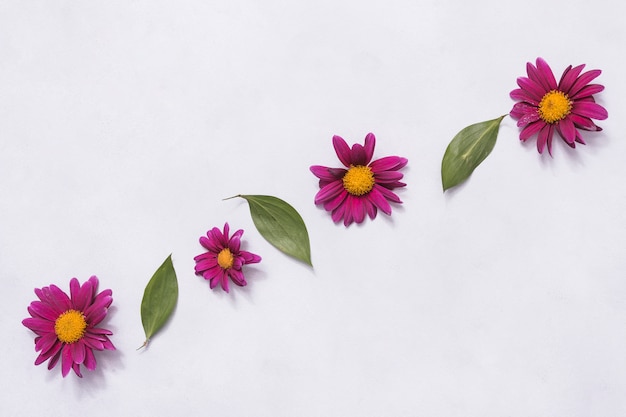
[
  {"x": 363, "y": 187},
  {"x": 545, "y": 106},
  {"x": 66, "y": 326},
  {"x": 224, "y": 258}
]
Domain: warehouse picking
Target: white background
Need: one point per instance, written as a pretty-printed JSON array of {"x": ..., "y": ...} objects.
[{"x": 123, "y": 125}]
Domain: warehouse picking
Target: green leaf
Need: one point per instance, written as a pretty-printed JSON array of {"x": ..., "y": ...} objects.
[
  {"x": 159, "y": 299},
  {"x": 467, "y": 150},
  {"x": 281, "y": 225}
]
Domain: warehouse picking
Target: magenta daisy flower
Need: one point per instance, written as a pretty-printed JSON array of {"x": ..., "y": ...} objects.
[
  {"x": 224, "y": 258},
  {"x": 66, "y": 326},
  {"x": 545, "y": 106},
  {"x": 363, "y": 187}
]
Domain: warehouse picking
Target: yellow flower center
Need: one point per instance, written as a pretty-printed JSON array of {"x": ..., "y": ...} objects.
[
  {"x": 358, "y": 180},
  {"x": 70, "y": 326},
  {"x": 554, "y": 106},
  {"x": 225, "y": 259}
]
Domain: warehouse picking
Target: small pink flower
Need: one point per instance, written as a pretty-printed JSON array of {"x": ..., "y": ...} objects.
[
  {"x": 66, "y": 326},
  {"x": 363, "y": 187},
  {"x": 545, "y": 106},
  {"x": 224, "y": 258}
]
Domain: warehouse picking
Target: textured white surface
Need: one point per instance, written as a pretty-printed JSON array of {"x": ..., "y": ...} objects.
[{"x": 123, "y": 124}]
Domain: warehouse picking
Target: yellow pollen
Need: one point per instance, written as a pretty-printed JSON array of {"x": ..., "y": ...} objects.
[
  {"x": 359, "y": 180},
  {"x": 225, "y": 259},
  {"x": 70, "y": 326},
  {"x": 554, "y": 106}
]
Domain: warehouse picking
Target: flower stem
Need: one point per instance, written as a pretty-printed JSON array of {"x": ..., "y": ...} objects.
[{"x": 229, "y": 198}]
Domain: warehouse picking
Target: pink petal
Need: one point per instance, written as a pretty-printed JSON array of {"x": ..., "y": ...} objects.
[
  {"x": 250, "y": 258},
  {"x": 522, "y": 95},
  {"x": 338, "y": 213},
  {"x": 97, "y": 331},
  {"x": 348, "y": 218},
  {"x": 590, "y": 109},
  {"x": 329, "y": 192},
  {"x": 210, "y": 244},
  {"x": 212, "y": 274},
  {"x": 39, "y": 325},
  {"x": 57, "y": 298},
  {"x": 215, "y": 279},
  {"x": 84, "y": 296},
  {"x": 370, "y": 208},
  {"x": 78, "y": 352},
  {"x": 391, "y": 185},
  {"x": 587, "y": 91},
  {"x": 388, "y": 177},
  {"x": 534, "y": 75},
  {"x": 238, "y": 262},
  {"x": 534, "y": 90},
  {"x": 224, "y": 237},
  {"x": 388, "y": 194},
  {"x": 74, "y": 290},
  {"x": 90, "y": 360},
  {"x": 342, "y": 149},
  {"x": 42, "y": 310},
  {"x": 235, "y": 244},
  {"x": 96, "y": 316},
  {"x": 327, "y": 174},
  {"x": 521, "y": 111},
  {"x": 582, "y": 122},
  {"x": 76, "y": 368},
  {"x": 545, "y": 73},
  {"x": 567, "y": 130},
  {"x": 357, "y": 155},
  {"x": 206, "y": 264},
  {"x": 583, "y": 80},
  {"x": 54, "y": 350},
  {"x": 45, "y": 342},
  {"x": 332, "y": 204},
  {"x": 237, "y": 234},
  {"x": 108, "y": 345},
  {"x": 357, "y": 209},
  {"x": 96, "y": 312},
  {"x": 55, "y": 359},
  {"x": 66, "y": 360},
  {"x": 224, "y": 281},
  {"x": 545, "y": 138},
  {"x": 370, "y": 143},
  {"x": 238, "y": 278},
  {"x": 377, "y": 198},
  {"x": 579, "y": 138},
  {"x": 92, "y": 342},
  {"x": 388, "y": 163},
  {"x": 531, "y": 129},
  {"x": 569, "y": 77}
]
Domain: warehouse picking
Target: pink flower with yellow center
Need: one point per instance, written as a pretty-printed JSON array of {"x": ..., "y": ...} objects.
[
  {"x": 363, "y": 186},
  {"x": 66, "y": 326},
  {"x": 545, "y": 107},
  {"x": 224, "y": 258}
]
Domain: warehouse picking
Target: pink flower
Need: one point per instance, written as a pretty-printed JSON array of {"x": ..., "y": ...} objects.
[
  {"x": 545, "y": 106},
  {"x": 224, "y": 258},
  {"x": 363, "y": 187},
  {"x": 65, "y": 326}
]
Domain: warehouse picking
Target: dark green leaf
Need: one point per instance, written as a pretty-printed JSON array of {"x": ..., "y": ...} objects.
[
  {"x": 159, "y": 299},
  {"x": 467, "y": 150},
  {"x": 281, "y": 225}
]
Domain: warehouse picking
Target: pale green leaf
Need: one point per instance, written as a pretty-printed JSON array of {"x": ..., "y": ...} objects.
[
  {"x": 281, "y": 225},
  {"x": 467, "y": 150},
  {"x": 159, "y": 299}
]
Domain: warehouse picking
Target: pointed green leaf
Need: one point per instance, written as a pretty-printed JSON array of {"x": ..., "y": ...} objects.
[
  {"x": 159, "y": 299},
  {"x": 467, "y": 150},
  {"x": 281, "y": 225}
]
